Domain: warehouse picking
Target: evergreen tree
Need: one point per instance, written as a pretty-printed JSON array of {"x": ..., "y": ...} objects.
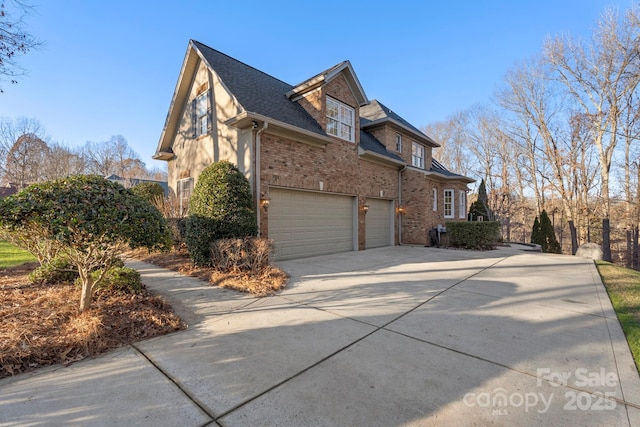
[
  {"x": 481, "y": 206},
  {"x": 548, "y": 235},
  {"x": 535, "y": 232}
]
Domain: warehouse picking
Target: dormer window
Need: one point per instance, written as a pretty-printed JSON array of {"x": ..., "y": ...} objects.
[
  {"x": 340, "y": 120},
  {"x": 417, "y": 155}
]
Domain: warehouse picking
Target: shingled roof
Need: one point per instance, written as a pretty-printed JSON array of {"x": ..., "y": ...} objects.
[
  {"x": 258, "y": 92},
  {"x": 376, "y": 112},
  {"x": 264, "y": 95}
]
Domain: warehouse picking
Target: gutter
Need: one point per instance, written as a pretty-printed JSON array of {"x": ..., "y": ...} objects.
[
  {"x": 404, "y": 168},
  {"x": 258, "y": 194}
]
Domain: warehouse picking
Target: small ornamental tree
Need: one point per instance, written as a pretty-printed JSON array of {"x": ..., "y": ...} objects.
[
  {"x": 86, "y": 219},
  {"x": 221, "y": 207}
]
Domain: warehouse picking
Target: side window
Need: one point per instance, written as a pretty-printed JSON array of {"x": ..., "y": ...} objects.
[
  {"x": 185, "y": 188},
  {"x": 435, "y": 199},
  {"x": 462, "y": 205},
  {"x": 449, "y": 211}
]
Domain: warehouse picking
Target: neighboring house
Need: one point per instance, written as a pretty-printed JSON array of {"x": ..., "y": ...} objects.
[
  {"x": 130, "y": 182},
  {"x": 8, "y": 190},
  {"x": 330, "y": 170}
]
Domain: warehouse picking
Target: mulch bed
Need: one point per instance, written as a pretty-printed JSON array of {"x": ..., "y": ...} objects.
[{"x": 41, "y": 325}]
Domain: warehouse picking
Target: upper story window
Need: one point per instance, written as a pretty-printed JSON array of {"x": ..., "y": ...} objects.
[
  {"x": 340, "y": 120},
  {"x": 417, "y": 155},
  {"x": 200, "y": 115},
  {"x": 398, "y": 143},
  {"x": 448, "y": 204}
]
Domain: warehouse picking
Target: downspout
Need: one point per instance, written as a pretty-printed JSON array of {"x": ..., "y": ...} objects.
[
  {"x": 258, "y": 194},
  {"x": 404, "y": 168}
]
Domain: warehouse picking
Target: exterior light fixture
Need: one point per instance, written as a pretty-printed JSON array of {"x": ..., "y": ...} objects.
[
  {"x": 402, "y": 210},
  {"x": 365, "y": 208},
  {"x": 264, "y": 201}
]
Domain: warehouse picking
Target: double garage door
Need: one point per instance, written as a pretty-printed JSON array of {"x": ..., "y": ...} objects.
[{"x": 305, "y": 223}]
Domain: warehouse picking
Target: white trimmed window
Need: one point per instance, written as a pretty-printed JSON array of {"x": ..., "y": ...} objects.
[
  {"x": 340, "y": 120},
  {"x": 398, "y": 143},
  {"x": 462, "y": 205},
  {"x": 185, "y": 188},
  {"x": 417, "y": 155},
  {"x": 449, "y": 211},
  {"x": 201, "y": 114},
  {"x": 435, "y": 199}
]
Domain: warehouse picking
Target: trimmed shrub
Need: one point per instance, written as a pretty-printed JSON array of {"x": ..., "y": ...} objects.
[
  {"x": 250, "y": 255},
  {"x": 150, "y": 191},
  {"x": 58, "y": 270},
  {"x": 123, "y": 280},
  {"x": 221, "y": 207},
  {"x": 89, "y": 219},
  {"x": 473, "y": 235}
]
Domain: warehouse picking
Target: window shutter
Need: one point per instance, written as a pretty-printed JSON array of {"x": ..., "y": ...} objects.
[{"x": 194, "y": 118}]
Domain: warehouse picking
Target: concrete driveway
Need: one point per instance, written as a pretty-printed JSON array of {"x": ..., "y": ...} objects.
[{"x": 394, "y": 336}]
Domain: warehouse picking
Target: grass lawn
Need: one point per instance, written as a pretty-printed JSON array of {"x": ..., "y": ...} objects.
[
  {"x": 11, "y": 256},
  {"x": 623, "y": 286}
]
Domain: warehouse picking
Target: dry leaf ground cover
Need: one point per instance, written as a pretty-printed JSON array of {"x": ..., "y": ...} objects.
[
  {"x": 268, "y": 282},
  {"x": 41, "y": 325}
]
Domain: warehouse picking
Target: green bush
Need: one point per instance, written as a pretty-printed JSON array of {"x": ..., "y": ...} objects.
[
  {"x": 150, "y": 191},
  {"x": 123, "y": 280},
  {"x": 473, "y": 234},
  {"x": 178, "y": 229},
  {"x": 88, "y": 218},
  {"x": 58, "y": 270},
  {"x": 221, "y": 207}
]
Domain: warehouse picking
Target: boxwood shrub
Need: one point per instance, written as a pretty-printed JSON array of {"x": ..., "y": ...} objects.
[{"x": 473, "y": 234}]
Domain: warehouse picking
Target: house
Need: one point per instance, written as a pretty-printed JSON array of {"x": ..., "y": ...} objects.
[
  {"x": 8, "y": 190},
  {"x": 132, "y": 182},
  {"x": 330, "y": 170}
]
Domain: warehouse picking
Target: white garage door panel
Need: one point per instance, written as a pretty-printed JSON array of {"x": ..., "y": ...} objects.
[
  {"x": 303, "y": 223},
  {"x": 378, "y": 223}
]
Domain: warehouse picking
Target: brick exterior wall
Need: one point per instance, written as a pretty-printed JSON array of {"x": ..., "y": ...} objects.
[
  {"x": 334, "y": 168},
  {"x": 417, "y": 199}
]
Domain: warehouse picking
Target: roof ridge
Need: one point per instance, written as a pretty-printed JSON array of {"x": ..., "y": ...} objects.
[{"x": 240, "y": 62}]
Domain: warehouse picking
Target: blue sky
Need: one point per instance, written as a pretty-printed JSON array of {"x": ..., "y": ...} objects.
[{"x": 110, "y": 67}]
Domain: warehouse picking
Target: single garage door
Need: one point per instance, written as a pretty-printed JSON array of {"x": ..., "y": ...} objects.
[
  {"x": 378, "y": 223},
  {"x": 305, "y": 223}
]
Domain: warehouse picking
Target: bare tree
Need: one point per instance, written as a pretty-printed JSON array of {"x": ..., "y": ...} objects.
[
  {"x": 452, "y": 135},
  {"x": 15, "y": 40},
  {"x": 23, "y": 151},
  {"x": 599, "y": 76},
  {"x": 114, "y": 157},
  {"x": 62, "y": 162}
]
